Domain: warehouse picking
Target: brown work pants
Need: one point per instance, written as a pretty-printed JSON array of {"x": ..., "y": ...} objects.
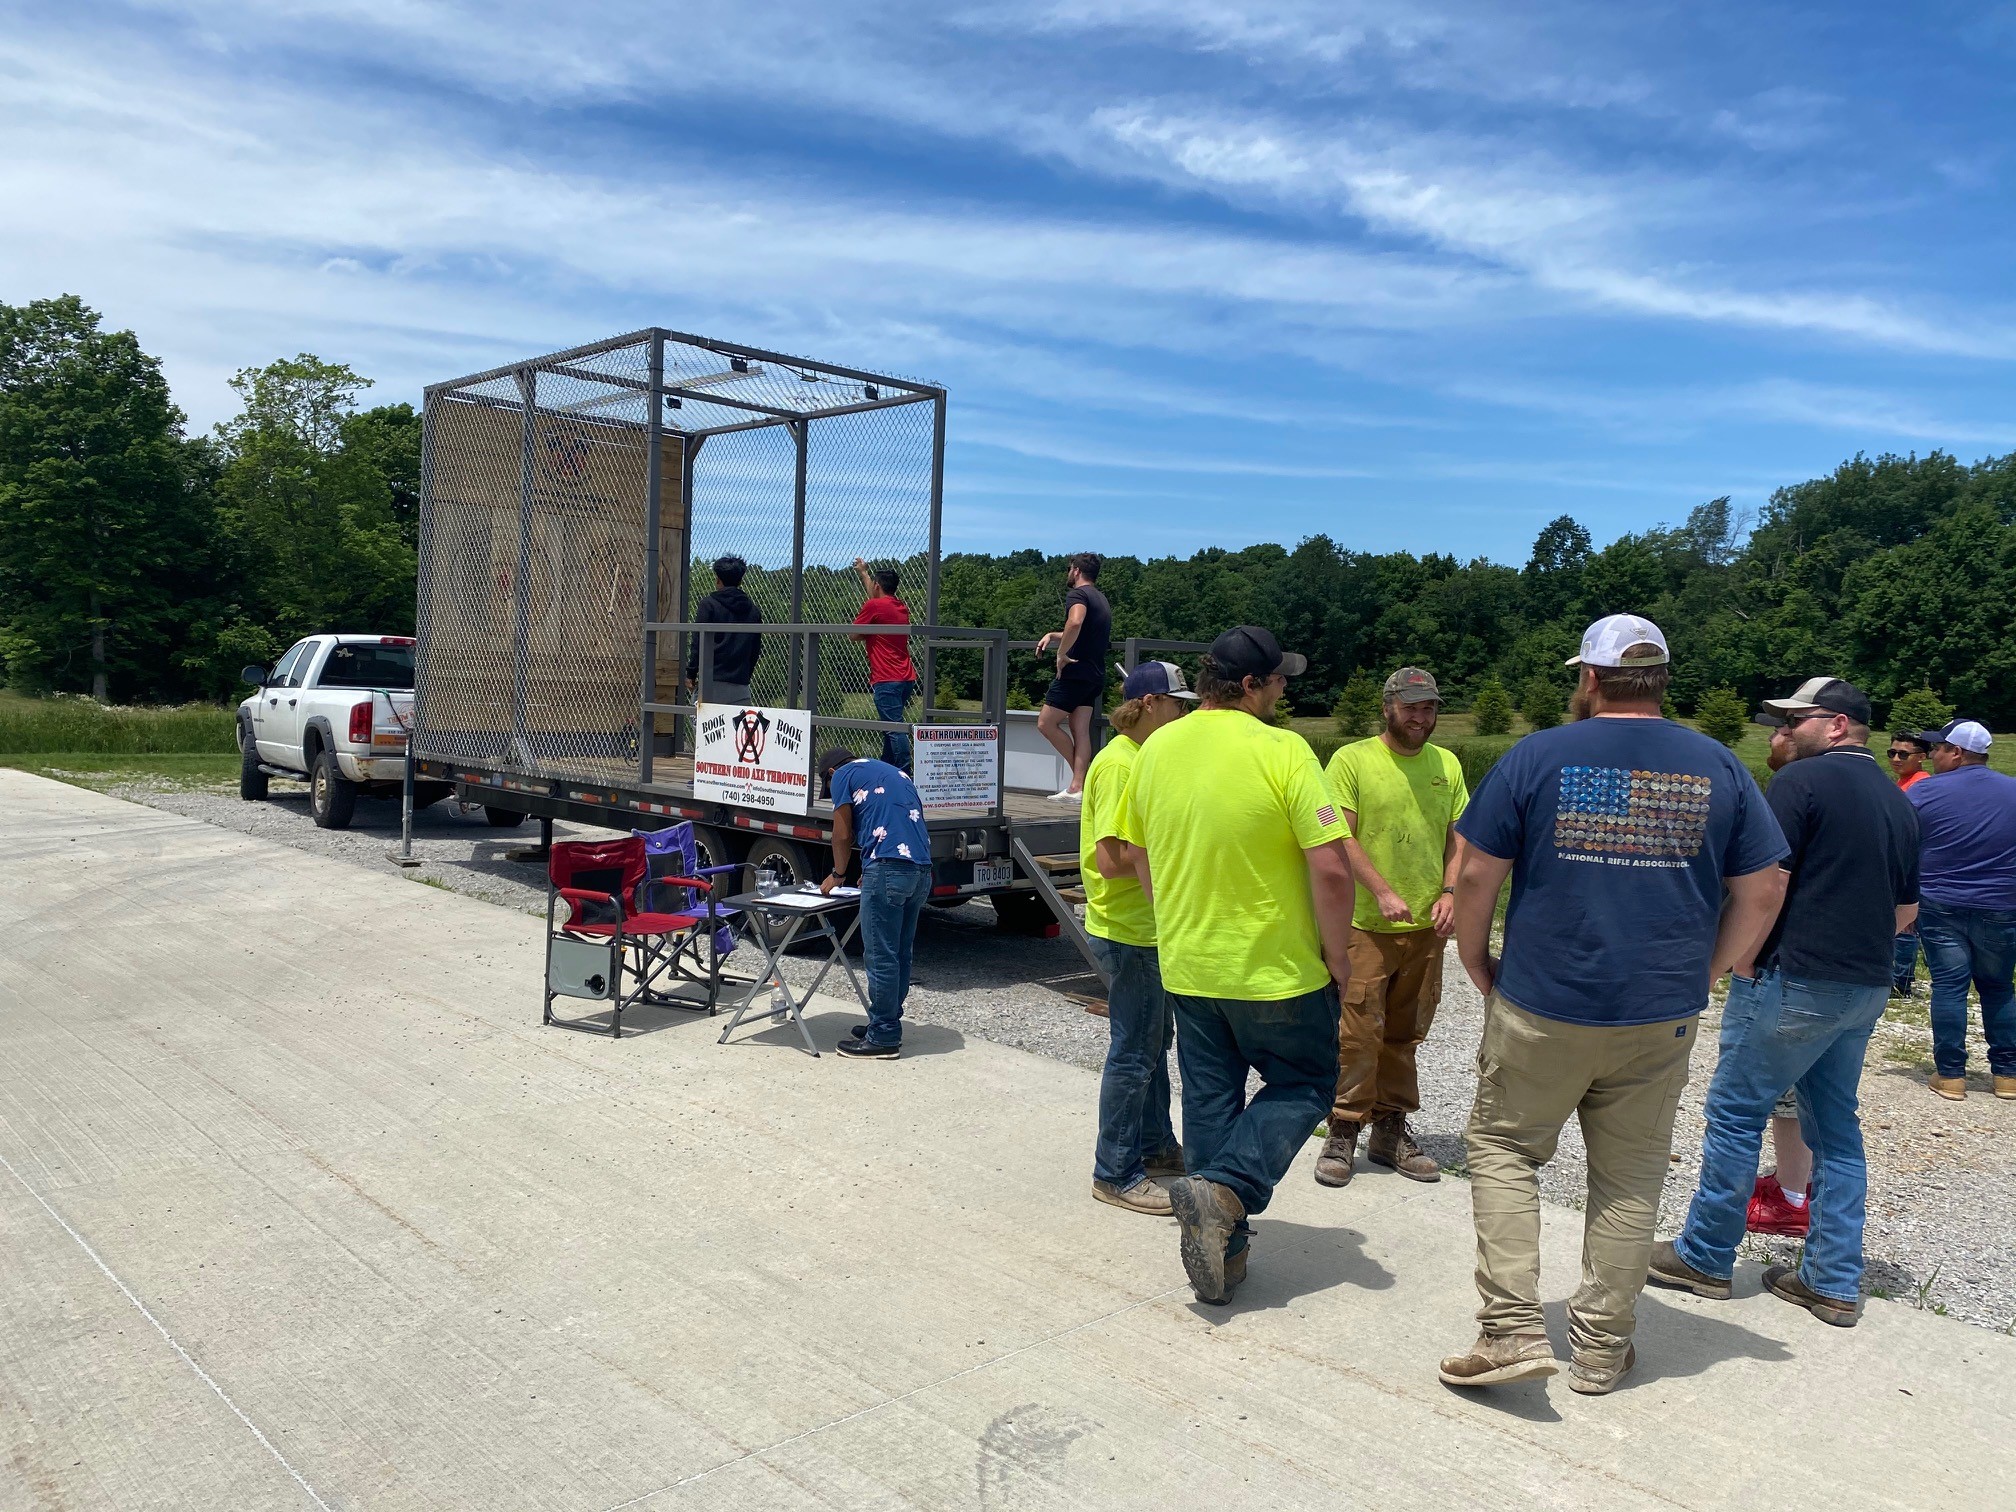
[
  {"x": 1396, "y": 983},
  {"x": 1623, "y": 1082}
]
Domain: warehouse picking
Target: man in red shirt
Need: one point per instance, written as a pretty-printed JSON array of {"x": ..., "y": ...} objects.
[
  {"x": 1907, "y": 765},
  {"x": 891, "y": 677}
]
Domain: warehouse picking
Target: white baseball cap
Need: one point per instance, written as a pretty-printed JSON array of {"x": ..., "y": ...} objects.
[
  {"x": 1605, "y": 642},
  {"x": 1969, "y": 734}
]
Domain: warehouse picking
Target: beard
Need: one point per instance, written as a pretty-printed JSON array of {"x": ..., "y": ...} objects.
[{"x": 1404, "y": 738}]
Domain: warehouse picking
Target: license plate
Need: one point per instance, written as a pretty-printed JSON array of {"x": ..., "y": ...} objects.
[{"x": 993, "y": 873}]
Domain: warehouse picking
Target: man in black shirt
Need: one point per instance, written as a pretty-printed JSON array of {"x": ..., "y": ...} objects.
[
  {"x": 734, "y": 655},
  {"x": 1080, "y": 684},
  {"x": 1802, "y": 1015}
]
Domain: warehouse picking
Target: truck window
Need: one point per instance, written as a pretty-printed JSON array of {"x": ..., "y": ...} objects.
[
  {"x": 368, "y": 664},
  {"x": 297, "y": 675},
  {"x": 283, "y": 668}
]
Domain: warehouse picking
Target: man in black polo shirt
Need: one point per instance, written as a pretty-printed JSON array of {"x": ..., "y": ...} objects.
[{"x": 1802, "y": 1015}]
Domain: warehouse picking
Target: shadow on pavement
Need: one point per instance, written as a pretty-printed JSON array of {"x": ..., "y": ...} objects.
[{"x": 1295, "y": 1260}]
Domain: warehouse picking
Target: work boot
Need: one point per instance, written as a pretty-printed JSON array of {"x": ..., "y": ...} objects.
[
  {"x": 1235, "y": 1272},
  {"x": 1208, "y": 1212},
  {"x": 1334, "y": 1165},
  {"x": 1166, "y": 1162},
  {"x": 1497, "y": 1358},
  {"x": 1145, "y": 1196},
  {"x": 1391, "y": 1145},
  {"x": 1783, "y": 1281},
  {"x": 1668, "y": 1269},
  {"x": 2005, "y": 1088},
  {"x": 1952, "y": 1088},
  {"x": 1592, "y": 1379}
]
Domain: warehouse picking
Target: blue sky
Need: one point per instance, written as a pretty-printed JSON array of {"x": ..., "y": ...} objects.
[{"x": 1197, "y": 272}]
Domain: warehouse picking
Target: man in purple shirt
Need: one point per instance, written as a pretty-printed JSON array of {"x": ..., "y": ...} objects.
[{"x": 1967, "y": 907}]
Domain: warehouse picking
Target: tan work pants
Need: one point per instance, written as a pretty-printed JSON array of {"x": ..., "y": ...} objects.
[
  {"x": 1624, "y": 1084},
  {"x": 1396, "y": 983}
]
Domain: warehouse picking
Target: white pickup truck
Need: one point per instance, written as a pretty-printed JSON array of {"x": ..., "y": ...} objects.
[{"x": 334, "y": 712}]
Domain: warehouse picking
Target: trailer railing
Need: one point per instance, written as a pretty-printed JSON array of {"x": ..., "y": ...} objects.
[{"x": 802, "y": 679}]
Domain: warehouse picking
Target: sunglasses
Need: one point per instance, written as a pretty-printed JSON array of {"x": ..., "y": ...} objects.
[{"x": 1902, "y": 755}]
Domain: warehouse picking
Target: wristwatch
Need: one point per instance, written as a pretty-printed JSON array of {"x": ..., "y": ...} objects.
[{"x": 1449, "y": 892}]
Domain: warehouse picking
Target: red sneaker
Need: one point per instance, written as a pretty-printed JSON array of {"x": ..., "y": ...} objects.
[{"x": 1771, "y": 1213}]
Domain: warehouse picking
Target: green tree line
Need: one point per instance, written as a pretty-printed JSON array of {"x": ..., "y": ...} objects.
[{"x": 140, "y": 563}]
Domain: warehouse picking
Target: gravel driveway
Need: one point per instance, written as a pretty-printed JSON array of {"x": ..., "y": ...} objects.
[{"x": 1942, "y": 1198}]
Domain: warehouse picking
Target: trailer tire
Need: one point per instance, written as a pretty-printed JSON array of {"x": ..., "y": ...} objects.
[
  {"x": 332, "y": 797},
  {"x": 502, "y": 818},
  {"x": 252, "y": 783},
  {"x": 1022, "y": 912},
  {"x": 793, "y": 864}
]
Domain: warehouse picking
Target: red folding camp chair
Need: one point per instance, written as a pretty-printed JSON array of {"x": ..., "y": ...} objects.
[{"x": 606, "y": 933}]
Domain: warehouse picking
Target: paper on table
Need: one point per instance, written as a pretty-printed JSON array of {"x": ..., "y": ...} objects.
[{"x": 807, "y": 897}]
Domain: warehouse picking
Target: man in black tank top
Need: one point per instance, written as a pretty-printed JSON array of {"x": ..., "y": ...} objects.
[{"x": 1082, "y": 647}]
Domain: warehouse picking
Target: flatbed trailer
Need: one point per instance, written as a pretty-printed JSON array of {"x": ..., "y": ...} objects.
[{"x": 567, "y": 503}]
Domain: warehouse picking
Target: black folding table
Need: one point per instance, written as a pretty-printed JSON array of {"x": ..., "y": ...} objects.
[{"x": 804, "y": 914}]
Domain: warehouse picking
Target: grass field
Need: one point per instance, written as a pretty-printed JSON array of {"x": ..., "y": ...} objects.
[
  {"x": 100, "y": 770},
  {"x": 56, "y": 725}
]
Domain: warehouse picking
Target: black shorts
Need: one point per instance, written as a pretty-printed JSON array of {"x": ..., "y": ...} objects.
[{"x": 1080, "y": 685}]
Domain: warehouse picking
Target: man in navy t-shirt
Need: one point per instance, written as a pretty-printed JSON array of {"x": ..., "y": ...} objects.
[
  {"x": 876, "y": 808},
  {"x": 1803, "y": 1015},
  {"x": 1621, "y": 832},
  {"x": 1967, "y": 914}
]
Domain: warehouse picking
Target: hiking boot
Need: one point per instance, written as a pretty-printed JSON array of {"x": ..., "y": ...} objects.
[
  {"x": 2005, "y": 1088},
  {"x": 860, "y": 1049},
  {"x": 1668, "y": 1269},
  {"x": 1166, "y": 1162},
  {"x": 1600, "y": 1380},
  {"x": 1235, "y": 1272},
  {"x": 1145, "y": 1196},
  {"x": 1783, "y": 1281},
  {"x": 1952, "y": 1088},
  {"x": 1208, "y": 1212},
  {"x": 1495, "y": 1359},
  {"x": 1771, "y": 1212},
  {"x": 1391, "y": 1145},
  {"x": 1334, "y": 1165}
]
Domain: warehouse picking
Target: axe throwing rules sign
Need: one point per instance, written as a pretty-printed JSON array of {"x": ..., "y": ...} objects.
[{"x": 759, "y": 758}]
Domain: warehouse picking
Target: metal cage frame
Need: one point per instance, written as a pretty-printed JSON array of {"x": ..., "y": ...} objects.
[{"x": 666, "y": 394}]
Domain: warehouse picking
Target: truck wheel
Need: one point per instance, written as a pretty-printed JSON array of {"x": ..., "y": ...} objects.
[
  {"x": 500, "y": 818},
  {"x": 332, "y": 797},
  {"x": 251, "y": 781}
]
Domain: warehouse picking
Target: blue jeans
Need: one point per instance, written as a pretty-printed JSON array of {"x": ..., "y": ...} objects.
[
  {"x": 1292, "y": 1043},
  {"x": 1780, "y": 1032},
  {"x": 1977, "y": 945},
  {"x": 1134, "y": 1087},
  {"x": 892, "y": 900},
  {"x": 891, "y": 699},
  {"x": 1904, "y": 962}
]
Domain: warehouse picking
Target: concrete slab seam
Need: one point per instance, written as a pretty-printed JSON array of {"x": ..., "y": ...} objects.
[
  {"x": 874, "y": 1407},
  {"x": 173, "y": 1343}
]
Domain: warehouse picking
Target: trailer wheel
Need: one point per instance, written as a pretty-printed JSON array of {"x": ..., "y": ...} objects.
[
  {"x": 252, "y": 782},
  {"x": 502, "y": 818},
  {"x": 793, "y": 865},
  {"x": 1023, "y": 913}
]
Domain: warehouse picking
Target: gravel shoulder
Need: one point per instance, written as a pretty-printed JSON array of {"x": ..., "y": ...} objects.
[{"x": 1942, "y": 1176}]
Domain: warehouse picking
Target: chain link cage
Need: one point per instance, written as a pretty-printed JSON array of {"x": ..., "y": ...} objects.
[{"x": 540, "y": 483}]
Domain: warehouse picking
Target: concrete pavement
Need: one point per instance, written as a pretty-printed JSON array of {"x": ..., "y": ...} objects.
[{"x": 300, "y": 1206}]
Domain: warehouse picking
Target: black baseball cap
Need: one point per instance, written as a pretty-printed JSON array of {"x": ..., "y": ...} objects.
[
  {"x": 1830, "y": 695},
  {"x": 830, "y": 763},
  {"x": 1251, "y": 651}
]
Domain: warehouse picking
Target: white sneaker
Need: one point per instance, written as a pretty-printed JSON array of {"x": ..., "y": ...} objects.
[{"x": 1067, "y": 797}]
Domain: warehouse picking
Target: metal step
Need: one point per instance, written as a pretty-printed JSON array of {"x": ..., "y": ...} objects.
[{"x": 1034, "y": 868}]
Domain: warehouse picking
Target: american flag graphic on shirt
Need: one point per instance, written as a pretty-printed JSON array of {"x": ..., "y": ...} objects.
[
  {"x": 1607, "y": 812},
  {"x": 1327, "y": 814}
]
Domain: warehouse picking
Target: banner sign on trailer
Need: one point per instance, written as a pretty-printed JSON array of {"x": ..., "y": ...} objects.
[
  {"x": 759, "y": 758},
  {"x": 956, "y": 766}
]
